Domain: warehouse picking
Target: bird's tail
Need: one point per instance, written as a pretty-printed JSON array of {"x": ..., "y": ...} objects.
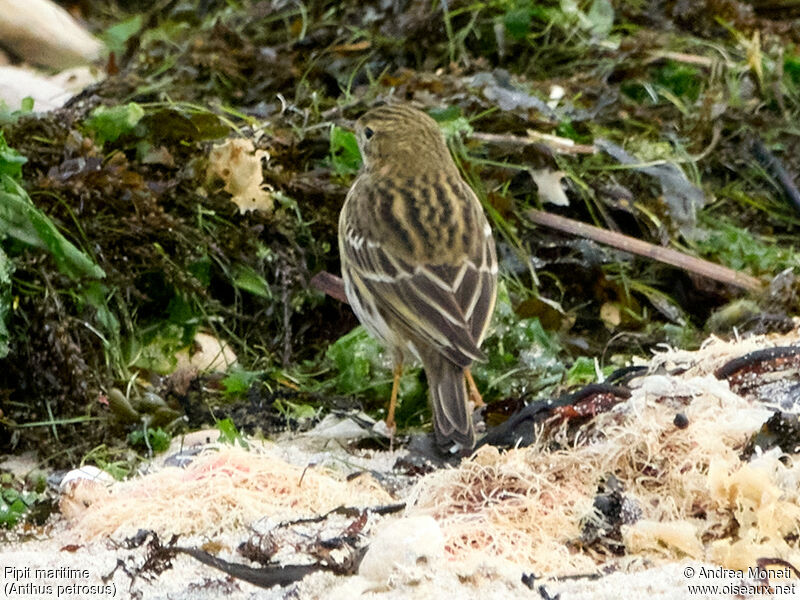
[{"x": 452, "y": 419}]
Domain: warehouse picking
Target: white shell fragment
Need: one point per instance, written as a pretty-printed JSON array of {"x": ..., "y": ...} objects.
[
  {"x": 404, "y": 544},
  {"x": 80, "y": 488}
]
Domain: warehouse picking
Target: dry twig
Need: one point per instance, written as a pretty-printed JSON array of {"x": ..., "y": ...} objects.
[{"x": 634, "y": 246}]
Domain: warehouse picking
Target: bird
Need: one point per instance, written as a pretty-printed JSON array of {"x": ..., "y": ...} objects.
[{"x": 419, "y": 262}]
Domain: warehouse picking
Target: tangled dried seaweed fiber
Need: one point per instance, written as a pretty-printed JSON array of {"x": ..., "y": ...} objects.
[{"x": 682, "y": 490}]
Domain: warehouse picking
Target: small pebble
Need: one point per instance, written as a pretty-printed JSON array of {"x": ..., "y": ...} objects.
[{"x": 681, "y": 421}]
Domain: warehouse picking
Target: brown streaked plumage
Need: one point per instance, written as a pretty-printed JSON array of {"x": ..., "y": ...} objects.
[{"x": 418, "y": 258}]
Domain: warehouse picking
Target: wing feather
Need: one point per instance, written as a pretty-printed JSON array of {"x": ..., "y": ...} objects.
[{"x": 446, "y": 305}]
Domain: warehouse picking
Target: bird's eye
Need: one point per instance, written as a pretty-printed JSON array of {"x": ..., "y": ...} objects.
[{"x": 368, "y": 132}]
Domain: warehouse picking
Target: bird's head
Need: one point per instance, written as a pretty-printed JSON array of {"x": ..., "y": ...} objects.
[{"x": 400, "y": 139}]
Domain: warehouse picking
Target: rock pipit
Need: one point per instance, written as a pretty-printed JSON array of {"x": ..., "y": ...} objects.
[{"x": 418, "y": 260}]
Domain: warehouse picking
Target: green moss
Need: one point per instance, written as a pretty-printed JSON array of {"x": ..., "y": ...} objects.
[
  {"x": 156, "y": 439},
  {"x": 110, "y": 123},
  {"x": 743, "y": 250}
]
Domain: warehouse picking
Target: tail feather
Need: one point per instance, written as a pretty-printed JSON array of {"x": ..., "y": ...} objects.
[{"x": 452, "y": 419}]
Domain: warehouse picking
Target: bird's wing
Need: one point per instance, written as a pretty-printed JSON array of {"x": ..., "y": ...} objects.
[
  {"x": 445, "y": 305},
  {"x": 478, "y": 290}
]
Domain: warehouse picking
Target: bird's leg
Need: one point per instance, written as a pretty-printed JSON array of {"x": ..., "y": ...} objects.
[
  {"x": 474, "y": 394},
  {"x": 398, "y": 371}
]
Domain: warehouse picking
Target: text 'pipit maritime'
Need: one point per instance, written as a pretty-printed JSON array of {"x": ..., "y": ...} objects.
[{"x": 418, "y": 259}]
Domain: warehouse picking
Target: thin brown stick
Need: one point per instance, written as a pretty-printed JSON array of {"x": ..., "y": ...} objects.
[
  {"x": 683, "y": 57},
  {"x": 634, "y": 246},
  {"x": 555, "y": 143},
  {"x": 330, "y": 284}
]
